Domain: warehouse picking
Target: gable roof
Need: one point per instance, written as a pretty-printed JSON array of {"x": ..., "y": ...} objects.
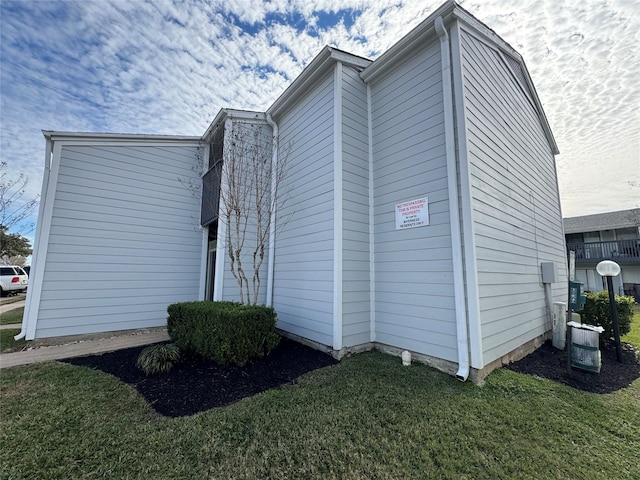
[
  {"x": 602, "y": 221},
  {"x": 449, "y": 12},
  {"x": 327, "y": 57}
]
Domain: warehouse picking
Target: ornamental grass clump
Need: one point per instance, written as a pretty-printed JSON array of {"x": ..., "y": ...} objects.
[{"x": 158, "y": 358}]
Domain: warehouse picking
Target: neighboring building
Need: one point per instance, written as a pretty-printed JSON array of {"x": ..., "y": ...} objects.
[
  {"x": 606, "y": 236},
  {"x": 423, "y": 199}
]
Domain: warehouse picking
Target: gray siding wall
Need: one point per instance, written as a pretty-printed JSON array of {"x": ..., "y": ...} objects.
[
  {"x": 515, "y": 205},
  {"x": 303, "y": 272},
  {"x": 231, "y": 289},
  {"x": 414, "y": 281},
  {"x": 356, "y": 318},
  {"x": 123, "y": 242}
]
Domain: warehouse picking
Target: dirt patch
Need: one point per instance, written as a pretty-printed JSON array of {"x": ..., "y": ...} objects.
[
  {"x": 551, "y": 363},
  {"x": 196, "y": 384}
]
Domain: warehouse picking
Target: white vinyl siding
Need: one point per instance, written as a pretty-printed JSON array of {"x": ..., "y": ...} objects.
[
  {"x": 124, "y": 241},
  {"x": 414, "y": 281},
  {"x": 517, "y": 219},
  {"x": 356, "y": 319},
  {"x": 303, "y": 272}
]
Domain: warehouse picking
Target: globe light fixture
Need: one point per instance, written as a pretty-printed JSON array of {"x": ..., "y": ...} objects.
[{"x": 610, "y": 269}]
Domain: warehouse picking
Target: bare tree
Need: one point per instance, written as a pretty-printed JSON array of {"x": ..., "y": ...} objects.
[
  {"x": 14, "y": 210},
  {"x": 249, "y": 198}
]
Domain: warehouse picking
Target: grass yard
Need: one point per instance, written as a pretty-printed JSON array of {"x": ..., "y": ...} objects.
[
  {"x": 12, "y": 316},
  {"x": 365, "y": 418},
  {"x": 7, "y": 343},
  {"x": 633, "y": 337}
]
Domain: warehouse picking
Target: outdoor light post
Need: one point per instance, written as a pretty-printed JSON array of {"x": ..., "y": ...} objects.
[{"x": 610, "y": 269}]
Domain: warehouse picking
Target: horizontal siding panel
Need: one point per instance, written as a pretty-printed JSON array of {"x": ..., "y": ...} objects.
[
  {"x": 122, "y": 221},
  {"x": 438, "y": 346},
  {"x": 298, "y": 325},
  {"x": 85, "y": 294},
  {"x": 121, "y": 322},
  {"x": 517, "y": 219},
  {"x": 356, "y": 326},
  {"x": 303, "y": 275},
  {"x": 409, "y": 162}
]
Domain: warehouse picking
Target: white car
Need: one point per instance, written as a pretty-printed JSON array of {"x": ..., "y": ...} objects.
[{"x": 13, "y": 279}]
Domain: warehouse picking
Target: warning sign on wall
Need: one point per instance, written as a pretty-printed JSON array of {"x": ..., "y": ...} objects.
[{"x": 411, "y": 214}]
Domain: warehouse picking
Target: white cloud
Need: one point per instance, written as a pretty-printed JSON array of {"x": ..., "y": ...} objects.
[{"x": 167, "y": 68}]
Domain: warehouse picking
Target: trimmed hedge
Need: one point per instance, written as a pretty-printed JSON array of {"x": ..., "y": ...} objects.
[
  {"x": 227, "y": 332},
  {"x": 596, "y": 311}
]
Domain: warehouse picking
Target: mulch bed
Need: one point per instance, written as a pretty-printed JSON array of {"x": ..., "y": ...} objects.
[
  {"x": 551, "y": 363},
  {"x": 196, "y": 385}
]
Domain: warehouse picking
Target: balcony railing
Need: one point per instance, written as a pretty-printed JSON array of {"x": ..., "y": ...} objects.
[
  {"x": 210, "y": 195},
  {"x": 621, "y": 251}
]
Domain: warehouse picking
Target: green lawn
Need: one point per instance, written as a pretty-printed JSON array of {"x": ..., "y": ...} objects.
[
  {"x": 12, "y": 316},
  {"x": 7, "y": 343},
  {"x": 366, "y": 418},
  {"x": 633, "y": 337}
]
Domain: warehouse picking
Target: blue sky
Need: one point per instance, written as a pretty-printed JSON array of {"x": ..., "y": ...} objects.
[{"x": 167, "y": 67}]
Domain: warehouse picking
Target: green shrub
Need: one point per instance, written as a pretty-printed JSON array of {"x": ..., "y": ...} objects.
[
  {"x": 597, "y": 312},
  {"x": 158, "y": 358},
  {"x": 227, "y": 332}
]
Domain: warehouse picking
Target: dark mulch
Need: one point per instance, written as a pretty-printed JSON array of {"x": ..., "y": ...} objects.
[
  {"x": 196, "y": 384},
  {"x": 551, "y": 363}
]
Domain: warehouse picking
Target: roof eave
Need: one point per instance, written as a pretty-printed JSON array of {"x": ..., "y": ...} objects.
[
  {"x": 312, "y": 73},
  {"x": 407, "y": 43},
  {"x": 224, "y": 113},
  {"x": 449, "y": 11},
  {"x": 486, "y": 32},
  {"x": 87, "y": 136}
]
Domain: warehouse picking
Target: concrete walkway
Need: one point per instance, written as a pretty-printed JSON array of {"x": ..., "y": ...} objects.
[
  {"x": 5, "y": 307},
  {"x": 77, "y": 346}
]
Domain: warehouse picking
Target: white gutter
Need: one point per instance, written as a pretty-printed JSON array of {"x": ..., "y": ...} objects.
[
  {"x": 372, "y": 267},
  {"x": 471, "y": 266},
  {"x": 337, "y": 209},
  {"x": 35, "y": 259},
  {"x": 454, "y": 216},
  {"x": 274, "y": 205}
]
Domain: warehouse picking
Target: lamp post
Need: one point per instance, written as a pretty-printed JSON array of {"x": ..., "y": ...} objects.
[{"x": 610, "y": 269}]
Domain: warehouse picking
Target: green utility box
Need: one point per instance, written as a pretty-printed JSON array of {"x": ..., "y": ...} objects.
[{"x": 576, "y": 298}]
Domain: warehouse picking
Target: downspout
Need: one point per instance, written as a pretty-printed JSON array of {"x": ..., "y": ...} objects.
[
  {"x": 338, "y": 330},
  {"x": 466, "y": 198},
  {"x": 372, "y": 258},
  {"x": 273, "y": 199},
  {"x": 454, "y": 213},
  {"x": 36, "y": 242}
]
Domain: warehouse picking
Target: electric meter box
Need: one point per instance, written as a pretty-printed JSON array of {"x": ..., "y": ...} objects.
[{"x": 549, "y": 272}]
